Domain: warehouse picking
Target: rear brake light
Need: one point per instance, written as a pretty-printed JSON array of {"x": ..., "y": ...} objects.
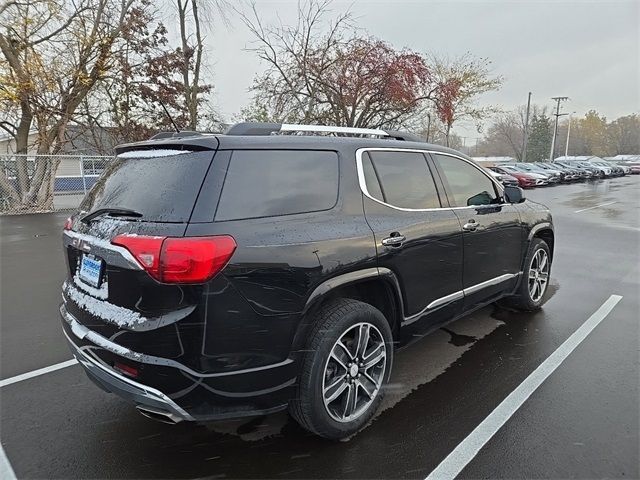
[
  {"x": 179, "y": 260},
  {"x": 68, "y": 224}
]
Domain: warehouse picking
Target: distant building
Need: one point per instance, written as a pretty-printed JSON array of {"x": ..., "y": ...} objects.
[{"x": 79, "y": 141}]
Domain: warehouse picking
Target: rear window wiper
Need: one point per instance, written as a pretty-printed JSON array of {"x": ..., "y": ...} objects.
[{"x": 114, "y": 212}]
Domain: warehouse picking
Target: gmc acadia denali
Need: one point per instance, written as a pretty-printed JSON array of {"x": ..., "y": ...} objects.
[{"x": 278, "y": 266}]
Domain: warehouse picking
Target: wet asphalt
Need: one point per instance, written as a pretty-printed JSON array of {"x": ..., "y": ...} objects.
[{"x": 583, "y": 421}]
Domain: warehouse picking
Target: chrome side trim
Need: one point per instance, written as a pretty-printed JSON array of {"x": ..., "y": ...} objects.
[
  {"x": 290, "y": 127},
  {"x": 83, "y": 332},
  {"x": 489, "y": 283},
  {"x": 363, "y": 185},
  {"x": 446, "y": 299},
  {"x": 438, "y": 302},
  {"x": 460, "y": 294},
  {"x": 142, "y": 390}
]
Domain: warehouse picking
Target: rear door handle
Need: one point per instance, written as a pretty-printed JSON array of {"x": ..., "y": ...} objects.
[
  {"x": 470, "y": 226},
  {"x": 394, "y": 240}
]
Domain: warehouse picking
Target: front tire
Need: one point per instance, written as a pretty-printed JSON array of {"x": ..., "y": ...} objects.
[
  {"x": 346, "y": 364},
  {"x": 535, "y": 278}
]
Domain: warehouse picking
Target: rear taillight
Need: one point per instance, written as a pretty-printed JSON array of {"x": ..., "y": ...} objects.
[
  {"x": 68, "y": 224},
  {"x": 179, "y": 260}
]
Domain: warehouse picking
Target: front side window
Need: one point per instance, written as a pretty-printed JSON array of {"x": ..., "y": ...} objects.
[
  {"x": 401, "y": 179},
  {"x": 468, "y": 185}
]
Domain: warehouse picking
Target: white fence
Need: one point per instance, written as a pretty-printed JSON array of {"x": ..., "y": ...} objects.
[{"x": 36, "y": 183}]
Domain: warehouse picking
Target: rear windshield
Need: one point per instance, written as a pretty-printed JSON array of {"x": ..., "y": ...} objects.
[
  {"x": 266, "y": 183},
  {"x": 162, "y": 185}
]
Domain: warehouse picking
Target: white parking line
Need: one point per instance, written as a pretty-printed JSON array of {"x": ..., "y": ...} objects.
[
  {"x": 36, "y": 373},
  {"x": 6, "y": 470},
  {"x": 596, "y": 206},
  {"x": 455, "y": 462}
]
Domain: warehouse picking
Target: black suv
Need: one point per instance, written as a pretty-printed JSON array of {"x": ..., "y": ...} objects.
[{"x": 218, "y": 276}]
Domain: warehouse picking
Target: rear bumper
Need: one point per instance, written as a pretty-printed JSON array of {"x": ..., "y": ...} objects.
[
  {"x": 167, "y": 389},
  {"x": 143, "y": 396}
]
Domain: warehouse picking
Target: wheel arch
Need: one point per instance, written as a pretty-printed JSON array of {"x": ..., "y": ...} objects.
[
  {"x": 378, "y": 287},
  {"x": 545, "y": 232}
]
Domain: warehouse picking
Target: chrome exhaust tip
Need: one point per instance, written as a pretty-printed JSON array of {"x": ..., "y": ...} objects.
[{"x": 159, "y": 415}]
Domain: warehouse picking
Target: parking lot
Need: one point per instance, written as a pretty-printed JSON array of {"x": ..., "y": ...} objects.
[{"x": 583, "y": 420}]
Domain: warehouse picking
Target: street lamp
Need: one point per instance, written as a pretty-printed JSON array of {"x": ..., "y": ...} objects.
[{"x": 566, "y": 148}]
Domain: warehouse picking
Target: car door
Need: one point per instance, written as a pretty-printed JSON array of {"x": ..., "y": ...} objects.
[
  {"x": 417, "y": 239},
  {"x": 492, "y": 231}
]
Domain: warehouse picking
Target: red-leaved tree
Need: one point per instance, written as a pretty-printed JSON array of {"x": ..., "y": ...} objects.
[{"x": 335, "y": 77}]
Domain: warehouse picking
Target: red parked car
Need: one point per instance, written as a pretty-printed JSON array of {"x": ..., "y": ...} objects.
[{"x": 524, "y": 179}]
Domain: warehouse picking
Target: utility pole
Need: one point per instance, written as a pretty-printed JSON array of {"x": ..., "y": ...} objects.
[
  {"x": 428, "y": 126},
  {"x": 555, "y": 127},
  {"x": 526, "y": 131}
]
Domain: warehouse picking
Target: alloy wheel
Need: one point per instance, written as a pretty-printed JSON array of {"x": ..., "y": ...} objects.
[
  {"x": 538, "y": 275},
  {"x": 354, "y": 372}
]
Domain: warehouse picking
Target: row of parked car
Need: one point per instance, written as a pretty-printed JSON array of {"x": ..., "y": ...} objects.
[{"x": 538, "y": 174}]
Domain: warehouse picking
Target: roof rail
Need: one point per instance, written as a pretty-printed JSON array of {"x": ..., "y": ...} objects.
[
  {"x": 406, "y": 136},
  {"x": 289, "y": 127},
  {"x": 260, "y": 128}
]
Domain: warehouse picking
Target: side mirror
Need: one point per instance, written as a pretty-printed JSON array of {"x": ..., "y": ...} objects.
[{"x": 514, "y": 194}]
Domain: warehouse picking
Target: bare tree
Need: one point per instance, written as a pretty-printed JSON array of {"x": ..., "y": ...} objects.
[
  {"x": 54, "y": 53},
  {"x": 191, "y": 14},
  {"x": 328, "y": 72}
]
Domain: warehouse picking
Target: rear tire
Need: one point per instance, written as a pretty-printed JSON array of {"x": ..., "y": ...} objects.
[
  {"x": 533, "y": 285},
  {"x": 346, "y": 364}
]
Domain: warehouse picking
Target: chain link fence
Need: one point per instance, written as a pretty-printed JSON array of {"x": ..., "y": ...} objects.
[{"x": 43, "y": 183}]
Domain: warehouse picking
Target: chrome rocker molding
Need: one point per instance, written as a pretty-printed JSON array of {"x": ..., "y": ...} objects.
[
  {"x": 146, "y": 398},
  {"x": 83, "y": 332},
  {"x": 460, "y": 294},
  {"x": 382, "y": 272}
]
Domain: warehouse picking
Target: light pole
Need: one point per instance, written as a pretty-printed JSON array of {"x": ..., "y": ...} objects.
[
  {"x": 555, "y": 127},
  {"x": 526, "y": 131},
  {"x": 566, "y": 147}
]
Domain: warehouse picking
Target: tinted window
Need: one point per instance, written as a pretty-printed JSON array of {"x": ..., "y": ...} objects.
[
  {"x": 265, "y": 183},
  {"x": 161, "y": 188},
  {"x": 370, "y": 178},
  {"x": 405, "y": 180},
  {"x": 468, "y": 184}
]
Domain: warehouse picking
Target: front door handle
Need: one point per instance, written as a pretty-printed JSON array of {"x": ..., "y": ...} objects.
[
  {"x": 470, "y": 226},
  {"x": 395, "y": 240}
]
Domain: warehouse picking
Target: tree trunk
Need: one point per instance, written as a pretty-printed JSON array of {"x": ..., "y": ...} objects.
[{"x": 22, "y": 147}]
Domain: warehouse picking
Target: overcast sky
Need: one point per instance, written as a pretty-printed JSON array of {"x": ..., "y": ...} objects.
[{"x": 586, "y": 50}]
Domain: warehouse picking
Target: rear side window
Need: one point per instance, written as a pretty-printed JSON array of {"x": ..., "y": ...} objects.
[
  {"x": 403, "y": 179},
  {"x": 468, "y": 185},
  {"x": 162, "y": 185},
  {"x": 267, "y": 183}
]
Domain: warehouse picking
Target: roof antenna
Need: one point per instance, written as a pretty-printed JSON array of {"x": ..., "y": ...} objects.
[{"x": 169, "y": 116}]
